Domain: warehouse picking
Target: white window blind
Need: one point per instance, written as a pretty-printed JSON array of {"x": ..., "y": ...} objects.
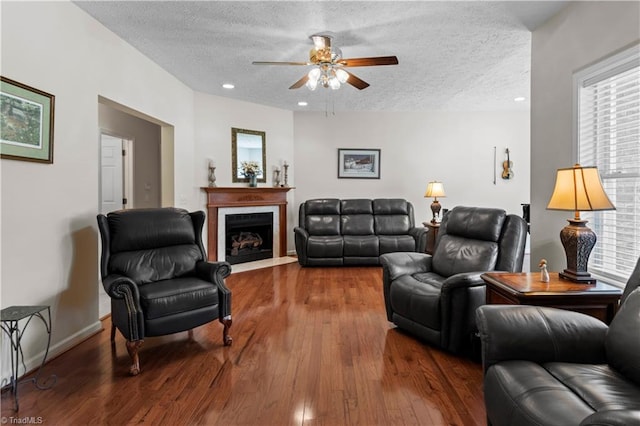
[{"x": 608, "y": 136}]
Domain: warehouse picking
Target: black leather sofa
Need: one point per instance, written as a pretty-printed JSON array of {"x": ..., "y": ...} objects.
[
  {"x": 335, "y": 232},
  {"x": 546, "y": 366}
]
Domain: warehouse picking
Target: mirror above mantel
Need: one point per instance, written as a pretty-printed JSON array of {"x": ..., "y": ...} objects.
[{"x": 248, "y": 145}]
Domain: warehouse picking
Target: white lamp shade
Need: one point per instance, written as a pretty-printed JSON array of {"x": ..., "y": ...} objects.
[
  {"x": 579, "y": 189},
  {"x": 435, "y": 189}
]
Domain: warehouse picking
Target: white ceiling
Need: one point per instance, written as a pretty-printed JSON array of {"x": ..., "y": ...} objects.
[{"x": 453, "y": 55}]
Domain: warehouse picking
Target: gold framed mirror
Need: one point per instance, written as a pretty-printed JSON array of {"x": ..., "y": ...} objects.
[{"x": 248, "y": 146}]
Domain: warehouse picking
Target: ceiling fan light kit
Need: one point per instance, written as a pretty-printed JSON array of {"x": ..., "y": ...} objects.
[{"x": 329, "y": 65}]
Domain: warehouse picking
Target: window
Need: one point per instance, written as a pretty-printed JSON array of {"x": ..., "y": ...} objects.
[{"x": 608, "y": 136}]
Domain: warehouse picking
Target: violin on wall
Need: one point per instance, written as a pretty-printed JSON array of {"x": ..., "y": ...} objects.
[{"x": 507, "y": 173}]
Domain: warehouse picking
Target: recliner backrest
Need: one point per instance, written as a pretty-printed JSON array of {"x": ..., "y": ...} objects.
[
  {"x": 150, "y": 245},
  {"x": 632, "y": 283},
  {"x": 392, "y": 216},
  {"x": 357, "y": 217},
  {"x": 468, "y": 240},
  {"x": 321, "y": 216}
]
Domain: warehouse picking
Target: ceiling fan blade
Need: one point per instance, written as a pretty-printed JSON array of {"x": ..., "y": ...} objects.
[
  {"x": 298, "y": 84},
  {"x": 367, "y": 62},
  {"x": 356, "y": 82},
  {"x": 280, "y": 63}
]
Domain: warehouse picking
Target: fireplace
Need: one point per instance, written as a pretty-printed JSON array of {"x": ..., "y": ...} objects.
[
  {"x": 223, "y": 201},
  {"x": 248, "y": 237}
]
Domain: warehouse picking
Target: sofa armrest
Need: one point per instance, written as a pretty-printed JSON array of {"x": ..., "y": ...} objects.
[
  {"x": 404, "y": 263},
  {"x": 613, "y": 418},
  {"x": 539, "y": 334},
  {"x": 216, "y": 272},
  {"x": 120, "y": 287},
  {"x": 301, "y": 237},
  {"x": 419, "y": 234}
]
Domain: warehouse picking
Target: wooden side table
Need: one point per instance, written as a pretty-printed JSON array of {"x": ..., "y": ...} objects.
[
  {"x": 599, "y": 300},
  {"x": 431, "y": 235}
]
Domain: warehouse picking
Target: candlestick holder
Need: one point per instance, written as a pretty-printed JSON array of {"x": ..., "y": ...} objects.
[
  {"x": 285, "y": 166},
  {"x": 276, "y": 177},
  {"x": 212, "y": 177}
]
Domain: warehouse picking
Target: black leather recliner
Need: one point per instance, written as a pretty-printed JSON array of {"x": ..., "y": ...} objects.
[
  {"x": 547, "y": 366},
  {"x": 435, "y": 297},
  {"x": 154, "y": 269}
]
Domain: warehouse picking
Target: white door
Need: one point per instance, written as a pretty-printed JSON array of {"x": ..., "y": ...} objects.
[{"x": 111, "y": 174}]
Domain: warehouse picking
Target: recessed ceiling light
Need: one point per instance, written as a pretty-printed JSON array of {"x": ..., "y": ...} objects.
[
  {"x": 520, "y": 99},
  {"x": 302, "y": 103},
  {"x": 228, "y": 86}
]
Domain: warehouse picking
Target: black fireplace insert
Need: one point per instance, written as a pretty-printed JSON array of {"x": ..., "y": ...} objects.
[{"x": 248, "y": 237}]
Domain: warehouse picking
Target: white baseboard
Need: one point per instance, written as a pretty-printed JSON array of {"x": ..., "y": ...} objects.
[{"x": 35, "y": 361}]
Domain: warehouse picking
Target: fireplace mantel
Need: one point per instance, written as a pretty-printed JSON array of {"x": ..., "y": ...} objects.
[{"x": 237, "y": 196}]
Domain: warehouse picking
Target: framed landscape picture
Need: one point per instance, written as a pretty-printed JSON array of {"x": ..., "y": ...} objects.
[
  {"x": 26, "y": 122},
  {"x": 358, "y": 163}
]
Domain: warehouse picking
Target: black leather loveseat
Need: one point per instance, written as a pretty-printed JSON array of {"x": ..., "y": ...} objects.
[
  {"x": 547, "y": 366},
  {"x": 334, "y": 232}
]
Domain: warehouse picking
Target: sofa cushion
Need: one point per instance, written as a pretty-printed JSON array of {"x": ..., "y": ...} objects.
[
  {"x": 322, "y": 224},
  {"x": 392, "y": 224},
  {"x": 356, "y": 206},
  {"x": 622, "y": 342},
  {"x": 144, "y": 266},
  {"x": 455, "y": 255},
  {"x": 523, "y": 393},
  {"x": 600, "y": 386},
  {"x": 418, "y": 299},
  {"x": 361, "y": 245},
  {"x": 322, "y": 206},
  {"x": 393, "y": 243},
  {"x": 356, "y": 224},
  {"x": 325, "y": 246},
  {"x": 393, "y": 206},
  {"x": 475, "y": 223},
  {"x": 170, "y": 297},
  {"x": 140, "y": 229}
]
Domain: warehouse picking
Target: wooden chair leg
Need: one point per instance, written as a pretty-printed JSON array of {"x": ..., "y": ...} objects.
[
  {"x": 132, "y": 348},
  {"x": 225, "y": 332},
  {"x": 190, "y": 334},
  {"x": 113, "y": 332}
]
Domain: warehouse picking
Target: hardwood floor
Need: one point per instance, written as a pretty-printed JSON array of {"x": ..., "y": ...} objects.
[{"x": 312, "y": 346}]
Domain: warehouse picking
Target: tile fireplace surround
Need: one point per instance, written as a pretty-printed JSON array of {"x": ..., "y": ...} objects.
[{"x": 233, "y": 200}]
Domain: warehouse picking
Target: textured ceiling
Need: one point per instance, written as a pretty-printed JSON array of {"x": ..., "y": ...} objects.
[{"x": 469, "y": 55}]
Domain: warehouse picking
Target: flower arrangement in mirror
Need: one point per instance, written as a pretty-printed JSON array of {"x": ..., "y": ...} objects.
[{"x": 250, "y": 169}]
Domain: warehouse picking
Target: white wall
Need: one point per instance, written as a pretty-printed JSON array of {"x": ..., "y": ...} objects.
[
  {"x": 214, "y": 118},
  {"x": 49, "y": 235},
  {"x": 581, "y": 34},
  {"x": 146, "y": 152},
  {"x": 456, "y": 148}
]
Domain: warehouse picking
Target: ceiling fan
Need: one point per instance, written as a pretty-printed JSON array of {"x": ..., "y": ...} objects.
[{"x": 328, "y": 70}]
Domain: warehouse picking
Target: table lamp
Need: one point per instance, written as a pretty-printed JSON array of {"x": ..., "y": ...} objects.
[
  {"x": 578, "y": 189},
  {"x": 435, "y": 189}
]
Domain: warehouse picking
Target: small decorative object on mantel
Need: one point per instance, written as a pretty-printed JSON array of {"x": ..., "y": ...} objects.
[
  {"x": 250, "y": 170},
  {"x": 544, "y": 274},
  {"x": 276, "y": 177},
  {"x": 286, "y": 175},
  {"x": 212, "y": 174}
]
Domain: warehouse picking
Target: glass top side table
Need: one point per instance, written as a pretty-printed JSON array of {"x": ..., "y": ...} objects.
[{"x": 10, "y": 324}]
